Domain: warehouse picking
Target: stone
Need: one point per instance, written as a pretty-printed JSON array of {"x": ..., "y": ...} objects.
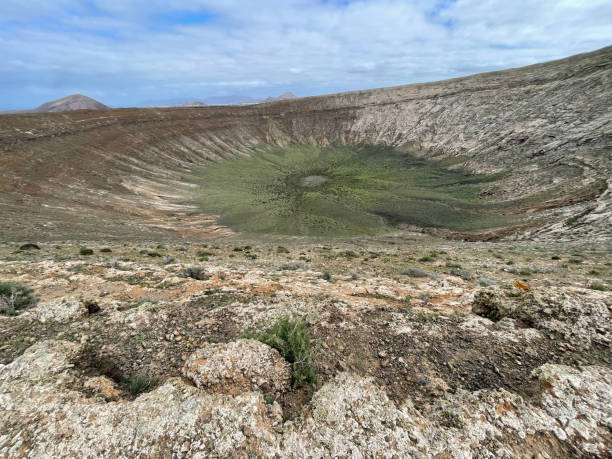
[
  {"x": 239, "y": 366},
  {"x": 103, "y": 387}
]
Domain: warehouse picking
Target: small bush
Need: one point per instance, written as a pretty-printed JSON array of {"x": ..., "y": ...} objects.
[
  {"x": 555, "y": 257},
  {"x": 290, "y": 267},
  {"x": 29, "y": 246},
  {"x": 15, "y": 296},
  {"x": 154, "y": 254},
  {"x": 291, "y": 339},
  {"x": 140, "y": 383},
  {"x": 281, "y": 249},
  {"x": 195, "y": 272},
  {"x": 599, "y": 287},
  {"x": 525, "y": 272},
  {"x": 463, "y": 274},
  {"x": 415, "y": 272},
  {"x": 105, "y": 250},
  {"x": 85, "y": 251},
  {"x": 326, "y": 276},
  {"x": 575, "y": 261},
  {"x": 426, "y": 258}
]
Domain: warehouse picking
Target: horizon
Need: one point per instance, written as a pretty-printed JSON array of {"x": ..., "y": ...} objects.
[{"x": 141, "y": 53}]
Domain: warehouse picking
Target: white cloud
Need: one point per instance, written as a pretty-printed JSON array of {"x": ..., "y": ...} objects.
[{"x": 307, "y": 46}]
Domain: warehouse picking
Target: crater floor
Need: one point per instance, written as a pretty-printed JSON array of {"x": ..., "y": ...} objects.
[{"x": 342, "y": 190}]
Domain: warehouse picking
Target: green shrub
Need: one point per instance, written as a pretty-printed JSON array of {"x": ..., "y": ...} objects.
[
  {"x": 15, "y": 296},
  {"x": 291, "y": 339},
  {"x": 555, "y": 257},
  {"x": 105, "y": 250},
  {"x": 141, "y": 382},
  {"x": 326, "y": 276},
  {"x": 426, "y": 258},
  {"x": 85, "y": 251},
  {"x": 599, "y": 287},
  {"x": 29, "y": 246},
  {"x": 281, "y": 249}
]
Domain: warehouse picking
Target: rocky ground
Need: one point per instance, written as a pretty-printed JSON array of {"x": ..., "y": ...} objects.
[{"x": 422, "y": 347}]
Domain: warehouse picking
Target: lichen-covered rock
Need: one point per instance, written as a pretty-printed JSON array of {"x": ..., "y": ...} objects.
[
  {"x": 581, "y": 403},
  {"x": 237, "y": 367},
  {"x": 102, "y": 387},
  {"x": 64, "y": 309},
  {"x": 352, "y": 417},
  {"x": 491, "y": 304},
  {"x": 42, "y": 415},
  {"x": 580, "y": 316}
]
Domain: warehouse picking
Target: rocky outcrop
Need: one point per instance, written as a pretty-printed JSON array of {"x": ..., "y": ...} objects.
[
  {"x": 580, "y": 317},
  {"x": 239, "y": 366},
  {"x": 43, "y": 413}
]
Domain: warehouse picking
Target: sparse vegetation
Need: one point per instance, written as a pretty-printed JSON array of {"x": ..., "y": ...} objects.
[
  {"x": 291, "y": 339},
  {"x": 141, "y": 382},
  {"x": 85, "y": 251},
  {"x": 15, "y": 296},
  {"x": 370, "y": 189}
]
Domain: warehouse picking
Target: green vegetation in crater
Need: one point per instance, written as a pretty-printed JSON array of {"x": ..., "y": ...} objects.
[{"x": 342, "y": 190}]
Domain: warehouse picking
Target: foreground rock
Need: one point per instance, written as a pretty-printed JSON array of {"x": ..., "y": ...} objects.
[
  {"x": 239, "y": 366},
  {"x": 44, "y": 413}
]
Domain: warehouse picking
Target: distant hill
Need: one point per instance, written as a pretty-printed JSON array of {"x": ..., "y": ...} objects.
[
  {"x": 284, "y": 96},
  {"x": 73, "y": 102}
]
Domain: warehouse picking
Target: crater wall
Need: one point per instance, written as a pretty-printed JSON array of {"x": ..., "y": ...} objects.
[{"x": 118, "y": 172}]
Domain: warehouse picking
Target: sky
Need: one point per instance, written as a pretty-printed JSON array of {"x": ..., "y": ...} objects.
[{"x": 139, "y": 52}]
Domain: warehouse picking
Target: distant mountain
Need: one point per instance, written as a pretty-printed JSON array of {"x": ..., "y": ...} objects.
[
  {"x": 195, "y": 103},
  {"x": 261, "y": 100},
  {"x": 228, "y": 99},
  {"x": 73, "y": 102},
  {"x": 284, "y": 96}
]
